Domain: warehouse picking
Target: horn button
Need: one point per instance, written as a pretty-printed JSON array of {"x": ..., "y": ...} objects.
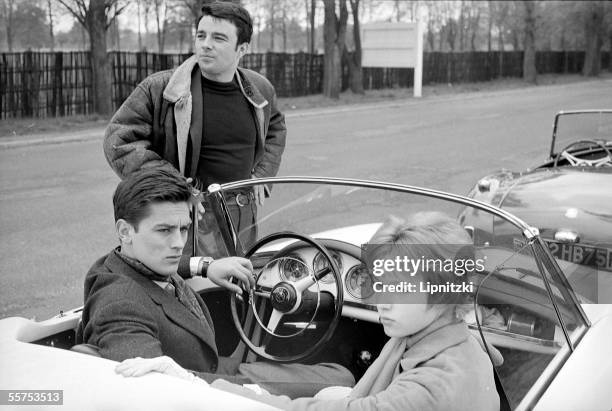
[{"x": 283, "y": 297}]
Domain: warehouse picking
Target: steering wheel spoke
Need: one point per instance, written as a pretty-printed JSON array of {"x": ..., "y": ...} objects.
[
  {"x": 304, "y": 284},
  {"x": 289, "y": 297},
  {"x": 576, "y": 161},
  {"x": 274, "y": 320},
  {"x": 260, "y": 292}
]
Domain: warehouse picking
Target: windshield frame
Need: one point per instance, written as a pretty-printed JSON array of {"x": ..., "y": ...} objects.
[
  {"x": 215, "y": 193},
  {"x": 552, "y": 153}
]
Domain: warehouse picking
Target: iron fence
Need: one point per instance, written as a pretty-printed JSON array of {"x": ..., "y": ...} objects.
[{"x": 44, "y": 84}]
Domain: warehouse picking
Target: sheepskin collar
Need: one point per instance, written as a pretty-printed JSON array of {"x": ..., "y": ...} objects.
[{"x": 179, "y": 86}]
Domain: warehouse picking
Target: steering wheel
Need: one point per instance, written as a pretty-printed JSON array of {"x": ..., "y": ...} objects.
[
  {"x": 575, "y": 161},
  {"x": 287, "y": 297}
]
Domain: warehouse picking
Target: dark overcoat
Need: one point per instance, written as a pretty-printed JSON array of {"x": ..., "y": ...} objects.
[{"x": 128, "y": 315}]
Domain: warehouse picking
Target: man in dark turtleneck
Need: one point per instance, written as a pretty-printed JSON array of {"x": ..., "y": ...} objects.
[{"x": 209, "y": 119}]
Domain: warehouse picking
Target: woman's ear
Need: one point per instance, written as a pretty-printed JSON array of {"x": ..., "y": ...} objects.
[{"x": 125, "y": 231}]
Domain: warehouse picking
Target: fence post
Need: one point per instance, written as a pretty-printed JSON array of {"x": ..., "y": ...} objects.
[
  {"x": 57, "y": 101},
  {"x": 267, "y": 64},
  {"x": 25, "y": 83},
  {"x": 138, "y": 66},
  {"x": 4, "y": 85}
]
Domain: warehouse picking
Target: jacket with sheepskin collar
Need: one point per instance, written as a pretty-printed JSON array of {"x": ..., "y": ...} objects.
[{"x": 154, "y": 127}]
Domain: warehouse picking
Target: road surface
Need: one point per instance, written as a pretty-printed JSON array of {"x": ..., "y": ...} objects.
[{"x": 55, "y": 200}]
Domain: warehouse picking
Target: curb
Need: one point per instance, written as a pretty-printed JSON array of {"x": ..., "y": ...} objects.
[{"x": 84, "y": 135}]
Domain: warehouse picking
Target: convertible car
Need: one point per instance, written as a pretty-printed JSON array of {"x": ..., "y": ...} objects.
[
  {"x": 313, "y": 303},
  {"x": 568, "y": 198}
]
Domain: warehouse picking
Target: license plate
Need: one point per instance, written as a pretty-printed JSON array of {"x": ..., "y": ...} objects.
[{"x": 600, "y": 258}]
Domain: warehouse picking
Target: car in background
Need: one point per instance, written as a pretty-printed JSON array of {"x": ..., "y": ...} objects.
[
  {"x": 568, "y": 198},
  {"x": 312, "y": 304}
]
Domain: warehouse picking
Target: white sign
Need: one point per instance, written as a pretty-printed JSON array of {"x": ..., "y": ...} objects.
[{"x": 394, "y": 45}]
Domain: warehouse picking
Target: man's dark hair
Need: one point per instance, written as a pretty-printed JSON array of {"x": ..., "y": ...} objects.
[
  {"x": 235, "y": 14},
  {"x": 134, "y": 194}
]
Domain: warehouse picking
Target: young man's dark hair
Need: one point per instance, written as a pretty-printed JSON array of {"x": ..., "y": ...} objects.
[
  {"x": 134, "y": 194},
  {"x": 234, "y": 13}
]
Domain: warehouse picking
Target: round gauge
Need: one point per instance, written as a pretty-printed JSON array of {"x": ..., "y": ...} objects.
[
  {"x": 293, "y": 268},
  {"x": 320, "y": 262},
  {"x": 359, "y": 282}
]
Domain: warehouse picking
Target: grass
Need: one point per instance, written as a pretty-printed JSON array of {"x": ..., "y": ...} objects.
[{"x": 28, "y": 126}]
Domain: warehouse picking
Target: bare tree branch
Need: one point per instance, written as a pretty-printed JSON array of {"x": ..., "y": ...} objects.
[
  {"x": 78, "y": 13},
  {"x": 118, "y": 11}
]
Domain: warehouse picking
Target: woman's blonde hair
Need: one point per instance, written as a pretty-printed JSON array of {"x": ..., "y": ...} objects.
[{"x": 424, "y": 235}]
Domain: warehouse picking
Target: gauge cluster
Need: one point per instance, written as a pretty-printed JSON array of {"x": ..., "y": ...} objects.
[
  {"x": 320, "y": 263},
  {"x": 358, "y": 282},
  {"x": 303, "y": 262},
  {"x": 293, "y": 268}
]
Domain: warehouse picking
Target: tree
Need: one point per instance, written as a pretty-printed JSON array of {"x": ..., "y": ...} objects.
[
  {"x": 51, "y": 35},
  {"x": 463, "y": 20},
  {"x": 29, "y": 28},
  {"x": 354, "y": 59},
  {"x": 473, "y": 27},
  {"x": 434, "y": 24},
  {"x": 490, "y": 25},
  {"x": 593, "y": 19},
  {"x": 96, "y": 16},
  {"x": 334, "y": 33},
  {"x": 449, "y": 27},
  {"x": 161, "y": 11},
  {"x": 272, "y": 22},
  {"x": 311, "y": 16},
  {"x": 499, "y": 13},
  {"x": 139, "y": 26},
  {"x": 529, "y": 57},
  {"x": 8, "y": 10}
]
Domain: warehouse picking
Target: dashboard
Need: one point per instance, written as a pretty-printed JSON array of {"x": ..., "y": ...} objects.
[{"x": 298, "y": 260}]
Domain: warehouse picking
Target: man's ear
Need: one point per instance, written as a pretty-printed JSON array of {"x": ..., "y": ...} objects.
[
  {"x": 125, "y": 231},
  {"x": 243, "y": 49}
]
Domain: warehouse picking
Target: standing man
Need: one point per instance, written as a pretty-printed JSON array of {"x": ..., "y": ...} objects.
[{"x": 209, "y": 119}]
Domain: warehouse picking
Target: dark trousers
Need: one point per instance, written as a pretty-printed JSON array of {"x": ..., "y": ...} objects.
[{"x": 292, "y": 380}]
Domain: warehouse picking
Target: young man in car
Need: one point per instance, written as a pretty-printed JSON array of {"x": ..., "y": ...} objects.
[
  {"x": 209, "y": 119},
  {"x": 136, "y": 305}
]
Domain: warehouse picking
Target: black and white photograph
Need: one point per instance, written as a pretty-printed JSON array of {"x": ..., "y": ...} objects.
[{"x": 306, "y": 205}]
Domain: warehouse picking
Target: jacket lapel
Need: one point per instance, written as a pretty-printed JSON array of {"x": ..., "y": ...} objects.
[
  {"x": 254, "y": 96},
  {"x": 197, "y": 120},
  {"x": 172, "y": 307},
  {"x": 178, "y": 92}
]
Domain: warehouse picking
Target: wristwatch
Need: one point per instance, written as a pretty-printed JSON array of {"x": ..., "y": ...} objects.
[{"x": 199, "y": 265}]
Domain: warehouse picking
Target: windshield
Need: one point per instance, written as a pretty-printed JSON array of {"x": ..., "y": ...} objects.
[
  {"x": 571, "y": 127},
  {"x": 528, "y": 320}
]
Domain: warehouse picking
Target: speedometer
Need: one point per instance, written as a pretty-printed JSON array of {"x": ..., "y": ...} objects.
[
  {"x": 320, "y": 262},
  {"x": 359, "y": 282},
  {"x": 293, "y": 268}
]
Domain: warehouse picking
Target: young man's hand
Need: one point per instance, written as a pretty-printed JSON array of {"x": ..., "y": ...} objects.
[
  {"x": 137, "y": 367},
  {"x": 223, "y": 270}
]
